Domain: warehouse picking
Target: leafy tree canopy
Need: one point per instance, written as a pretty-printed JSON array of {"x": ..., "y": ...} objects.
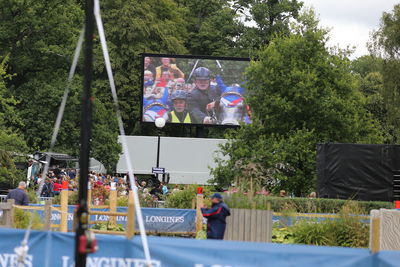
[{"x": 301, "y": 94}]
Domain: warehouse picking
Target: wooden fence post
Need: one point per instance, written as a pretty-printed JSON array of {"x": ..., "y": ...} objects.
[
  {"x": 374, "y": 239},
  {"x": 47, "y": 214},
  {"x": 89, "y": 195},
  {"x": 130, "y": 224},
  {"x": 199, "y": 205},
  {"x": 113, "y": 202},
  {"x": 64, "y": 207},
  {"x": 8, "y": 214}
]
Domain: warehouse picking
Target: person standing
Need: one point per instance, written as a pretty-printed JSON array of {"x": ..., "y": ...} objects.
[
  {"x": 47, "y": 189},
  {"x": 216, "y": 217},
  {"x": 19, "y": 195},
  {"x": 164, "y": 188}
]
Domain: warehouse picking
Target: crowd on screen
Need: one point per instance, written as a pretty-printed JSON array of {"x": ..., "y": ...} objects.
[{"x": 202, "y": 98}]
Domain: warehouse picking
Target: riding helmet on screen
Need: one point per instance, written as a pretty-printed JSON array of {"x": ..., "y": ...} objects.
[
  {"x": 202, "y": 73},
  {"x": 179, "y": 94}
]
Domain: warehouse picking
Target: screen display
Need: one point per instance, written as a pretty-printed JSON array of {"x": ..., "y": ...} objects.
[{"x": 194, "y": 90}]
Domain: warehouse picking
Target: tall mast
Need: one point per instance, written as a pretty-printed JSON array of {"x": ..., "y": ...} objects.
[{"x": 86, "y": 133}]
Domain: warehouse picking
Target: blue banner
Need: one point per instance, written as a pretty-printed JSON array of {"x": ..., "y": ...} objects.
[
  {"x": 155, "y": 219},
  {"x": 48, "y": 249}
]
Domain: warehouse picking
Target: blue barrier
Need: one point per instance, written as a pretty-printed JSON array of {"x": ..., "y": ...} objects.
[
  {"x": 49, "y": 249},
  {"x": 155, "y": 219}
]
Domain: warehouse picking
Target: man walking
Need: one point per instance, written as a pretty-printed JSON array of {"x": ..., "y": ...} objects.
[
  {"x": 216, "y": 217},
  {"x": 19, "y": 195}
]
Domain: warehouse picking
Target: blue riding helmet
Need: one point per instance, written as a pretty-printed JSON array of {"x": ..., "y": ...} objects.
[
  {"x": 179, "y": 94},
  {"x": 202, "y": 73}
]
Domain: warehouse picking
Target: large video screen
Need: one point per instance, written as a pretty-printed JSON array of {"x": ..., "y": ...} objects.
[{"x": 194, "y": 90}]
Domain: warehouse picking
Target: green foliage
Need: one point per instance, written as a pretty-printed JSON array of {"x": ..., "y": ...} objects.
[
  {"x": 32, "y": 196},
  {"x": 282, "y": 235},
  {"x": 301, "y": 94},
  {"x": 22, "y": 218},
  {"x": 12, "y": 145},
  {"x": 122, "y": 201},
  {"x": 107, "y": 226},
  {"x": 183, "y": 199},
  {"x": 133, "y": 27},
  {"x": 368, "y": 70},
  {"x": 146, "y": 200},
  {"x": 386, "y": 45},
  {"x": 346, "y": 231},
  {"x": 202, "y": 234},
  {"x": 301, "y": 205},
  {"x": 271, "y": 18}
]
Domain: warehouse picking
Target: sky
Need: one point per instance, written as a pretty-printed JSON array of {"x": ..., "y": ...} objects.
[{"x": 351, "y": 21}]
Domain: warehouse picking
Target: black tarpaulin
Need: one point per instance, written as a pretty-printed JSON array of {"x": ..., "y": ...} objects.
[{"x": 357, "y": 171}]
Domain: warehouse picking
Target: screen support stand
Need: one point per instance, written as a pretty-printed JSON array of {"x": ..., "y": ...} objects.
[{"x": 201, "y": 132}]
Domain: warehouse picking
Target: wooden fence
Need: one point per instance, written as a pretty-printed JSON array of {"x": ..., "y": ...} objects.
[
  {"x": 384, "y": 230},
  {"x": 7, "y": 215},
  {"x": 242, "y": 225},
  {"x": 249, "y": 225}
]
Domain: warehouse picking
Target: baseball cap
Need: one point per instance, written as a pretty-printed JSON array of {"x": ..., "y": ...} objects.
[{"x": 216, "y": 195}]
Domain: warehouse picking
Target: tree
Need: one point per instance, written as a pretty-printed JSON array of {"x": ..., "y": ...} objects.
[
  {"x": 12, "y": 145},
  {"x": 386, "y": 44},
  {"x": 134, "y": 27},
  {"x": 212, "y": 26},
  {"x": 300, "y": 94},
  {"x": 368, "y": 71},
  {"x": 265, "y": 19}
]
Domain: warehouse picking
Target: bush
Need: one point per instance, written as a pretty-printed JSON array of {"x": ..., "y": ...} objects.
[
  {"x": 346, "y": 231},
  {"x": 72, "y": 198},
  {"x": 146, "y": 200},
  {"x": 302, "y": 205},
  {"x": 22, "y": 218},
  {"x": 32, "y": 196},
  {"x": 282, "y": 235},
  {"x": 183, "y": 199},
  {"x": 107, "y": 226}
]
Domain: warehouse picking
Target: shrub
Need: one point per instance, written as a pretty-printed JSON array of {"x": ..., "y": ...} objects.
[
  {"x": 183, "y": 199},
  {"x": 346, "y": 231},
  {"x": 32, "y": 196},
  {"x": 107, "y": 226},
  {"x": 302, "y": 205},
  {"x": 282, "y": 235},
  {"x": 72, "y": 198},
  {"x": 22, "y": 218}
]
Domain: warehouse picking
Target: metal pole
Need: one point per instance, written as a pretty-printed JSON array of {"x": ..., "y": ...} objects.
[
  {"x": 86, "y": 125},
  {"x": 158, "y": 155},
  {"x": 158, "y": 152}
]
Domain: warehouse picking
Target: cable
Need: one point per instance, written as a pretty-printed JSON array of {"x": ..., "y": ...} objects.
[
  {"x": 60, "y": 114},
  {"x": 22, "y": 251},
  {"x": 121, "y": 130}
]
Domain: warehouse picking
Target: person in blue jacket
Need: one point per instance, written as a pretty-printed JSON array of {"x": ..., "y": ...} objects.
[{"x": 216, "y": 217}]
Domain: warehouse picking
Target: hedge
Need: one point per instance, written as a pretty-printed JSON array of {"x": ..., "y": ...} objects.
[{"x": 301, "y": 205}]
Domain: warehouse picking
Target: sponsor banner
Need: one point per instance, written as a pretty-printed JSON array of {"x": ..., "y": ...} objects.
[
  {"x": 57, "y": 249},
  {"x": 155, "y": 219}
]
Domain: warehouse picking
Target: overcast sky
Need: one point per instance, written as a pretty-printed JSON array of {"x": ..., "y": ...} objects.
[{"x": 351, "y": 21}]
